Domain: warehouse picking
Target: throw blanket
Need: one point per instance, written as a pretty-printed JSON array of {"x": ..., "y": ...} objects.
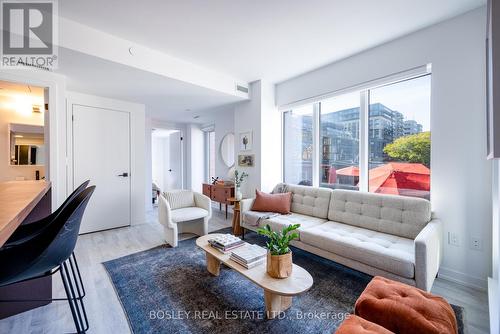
[{"x": 255, "y": 218}]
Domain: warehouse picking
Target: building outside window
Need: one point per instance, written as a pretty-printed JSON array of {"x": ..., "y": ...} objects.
[
  {"x": 298, "y": 145},
  {"x": 339, "y": 132}
]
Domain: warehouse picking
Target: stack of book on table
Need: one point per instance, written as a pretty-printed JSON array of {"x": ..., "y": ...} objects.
[
  {"x": 226, "y": 243},
  {"x": 249, "y": 255}
]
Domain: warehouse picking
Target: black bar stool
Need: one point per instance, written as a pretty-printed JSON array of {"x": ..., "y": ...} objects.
[
  {"x": 50, "y": 250},
  {"x": 29, "y": 230}
]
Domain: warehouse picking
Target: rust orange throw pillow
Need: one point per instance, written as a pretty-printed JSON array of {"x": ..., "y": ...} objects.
[
  {"x": 279, "y": 203},
  {"x": 356, "y": 325},
  {"x": 401, "y": 308}
]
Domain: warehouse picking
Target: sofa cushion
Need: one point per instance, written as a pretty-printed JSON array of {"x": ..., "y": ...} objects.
[
  {"x": 380, "y": 250},
  {"x": 397, "y": 215},
  {"x": 190, "y": 213},
  {"x": 405, "y": 309},
  {"x": 306, "y": 200},
  {"x": 179, "y": 198},
  {"x": 278, "y": 222},
  {"x": 279, "y": 203}
]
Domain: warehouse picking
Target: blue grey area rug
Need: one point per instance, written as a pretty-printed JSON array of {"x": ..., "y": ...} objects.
[{"x": 168, "y": 290}]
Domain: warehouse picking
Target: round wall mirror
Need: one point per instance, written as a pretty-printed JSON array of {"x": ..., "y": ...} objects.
[{"x": 227, "y": 149}]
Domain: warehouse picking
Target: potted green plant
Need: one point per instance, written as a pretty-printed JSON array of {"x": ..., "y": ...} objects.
[
  {"x": 279, "y": 255},
  {"x": 238, "y": 179}
]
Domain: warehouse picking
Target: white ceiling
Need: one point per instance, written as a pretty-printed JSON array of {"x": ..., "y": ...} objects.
[
  {"x": 256, "y": 39},
  {"x": 165, "y": 99}
]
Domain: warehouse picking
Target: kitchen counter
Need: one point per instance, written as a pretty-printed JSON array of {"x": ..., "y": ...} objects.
[{"x": 17, "y": 200}]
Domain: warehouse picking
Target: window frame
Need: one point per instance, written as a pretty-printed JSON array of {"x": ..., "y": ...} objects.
[{"x": 364, "y": 118}]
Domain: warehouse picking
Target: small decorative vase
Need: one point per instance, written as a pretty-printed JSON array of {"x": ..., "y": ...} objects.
[
  {"x": 279, "y": 266},
  {"x": 238, "y": 194}
]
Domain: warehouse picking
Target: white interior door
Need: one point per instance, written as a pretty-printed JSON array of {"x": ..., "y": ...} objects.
[
  {"x": 101, "y": 154},
  {"x": 174, "y": 163}
]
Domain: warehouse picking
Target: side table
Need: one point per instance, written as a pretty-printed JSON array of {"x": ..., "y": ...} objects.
[{"x": 237, "y": 229}]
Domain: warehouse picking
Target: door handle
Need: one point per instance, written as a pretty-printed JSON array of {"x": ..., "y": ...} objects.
[{"x": 123, "y": 175}]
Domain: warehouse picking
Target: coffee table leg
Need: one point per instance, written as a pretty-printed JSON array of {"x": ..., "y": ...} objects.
[
  {"x": 275, "y": 304},
  {"x": 213, "y": 264}
]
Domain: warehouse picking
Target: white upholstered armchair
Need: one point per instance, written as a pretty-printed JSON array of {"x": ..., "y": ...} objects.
[{"x": 183, "y": 211}]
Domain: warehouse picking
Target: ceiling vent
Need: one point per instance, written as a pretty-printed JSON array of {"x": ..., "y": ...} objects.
[{"x": 241, "y": 88}]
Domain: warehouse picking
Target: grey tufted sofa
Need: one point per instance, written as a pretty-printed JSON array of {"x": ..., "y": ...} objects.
[{"x": 391, "y": 236}]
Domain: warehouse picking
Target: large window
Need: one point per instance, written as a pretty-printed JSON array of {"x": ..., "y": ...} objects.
[
  {"x": 400, "y": 138},
  {"x": 375, "y": 140},
  {"x": 298, "y": 145},
  {"x": 339, "y": 142}
]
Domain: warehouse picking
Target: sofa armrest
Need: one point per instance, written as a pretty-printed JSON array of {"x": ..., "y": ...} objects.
[
  {"x": 203, "y": 202},
  {"x": 428, "y": 253},
  {"x": 246, "y": 204},
  {"x": 164, "y": 212}
]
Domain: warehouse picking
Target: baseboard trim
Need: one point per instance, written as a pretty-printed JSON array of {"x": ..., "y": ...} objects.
[{"x": 463, "y": 279}]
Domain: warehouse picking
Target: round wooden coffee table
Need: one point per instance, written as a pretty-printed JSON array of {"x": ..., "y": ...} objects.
[{"x": 278, "y": 293}]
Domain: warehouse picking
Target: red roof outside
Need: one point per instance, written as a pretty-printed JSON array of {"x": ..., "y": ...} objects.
[
  {"x": 397, "y": 178},
  {"x": 400, "y": 178},
  {"x": 349, "y": 171}
]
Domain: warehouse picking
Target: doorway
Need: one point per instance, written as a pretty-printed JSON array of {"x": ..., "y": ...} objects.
[
  {"x": 23, "y": 121},
  {"x": 167, "y": 160}
]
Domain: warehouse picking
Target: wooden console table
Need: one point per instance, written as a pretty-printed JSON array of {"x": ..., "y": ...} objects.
[{"x": 218, "y": 193}]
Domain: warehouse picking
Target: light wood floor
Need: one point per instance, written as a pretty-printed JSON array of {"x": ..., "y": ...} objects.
[{"x": 106, "y": 314}]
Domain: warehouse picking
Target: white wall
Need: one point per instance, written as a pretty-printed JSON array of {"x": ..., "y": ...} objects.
[
  {"x": 247, "y": 117},
  {"x": 137, "y": 149},
  {"x": 223, "y": 124},
  {"x": 271, "y": 139},
  {"x": 148, "y": 175},
  {"x": 261, "y": 116},
  {"x": 461, "y": 175},
  {"x": 493, "y": 282},
  {"x": 9, "y": 114}
]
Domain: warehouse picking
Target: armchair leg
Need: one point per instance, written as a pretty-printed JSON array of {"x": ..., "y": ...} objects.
[{"x": 171, "y": 236}]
